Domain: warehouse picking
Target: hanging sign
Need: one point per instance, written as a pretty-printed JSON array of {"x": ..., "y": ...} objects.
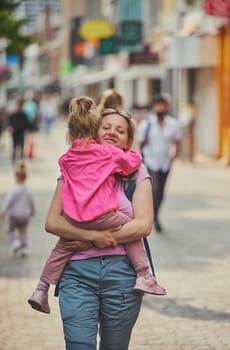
[{"x": 96, "y": 29}]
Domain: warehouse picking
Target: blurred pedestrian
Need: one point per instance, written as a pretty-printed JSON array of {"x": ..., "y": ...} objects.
[
  {"x": 2, "y": 121},
  {"x": 17, "y": 126},
  {"x": 111, "y": 98},
  {"x": 30, "y": 108},
  {"x": 48, "y": 112},
  {"x": 159, "y": 139},
  {"x": 18, "y": 207}
]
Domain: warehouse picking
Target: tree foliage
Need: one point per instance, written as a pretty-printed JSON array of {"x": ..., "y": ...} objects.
[{"x": 11, "y": 29}]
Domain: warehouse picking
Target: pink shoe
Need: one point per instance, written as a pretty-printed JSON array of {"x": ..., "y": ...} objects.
[
  {"x": 149, "y": 286},
  {"x": 39, "y": 301}
]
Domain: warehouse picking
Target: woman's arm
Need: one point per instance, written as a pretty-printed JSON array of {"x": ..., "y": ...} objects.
[
  {"x": 141, "y": 225},
  {"x": 59, "y": 226}
]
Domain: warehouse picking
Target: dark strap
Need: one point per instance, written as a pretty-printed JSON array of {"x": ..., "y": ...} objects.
[
  {"x": 129, "y": 190},
  {"x": 147, "y": 130},
  {"x": 148, "y": 252}
]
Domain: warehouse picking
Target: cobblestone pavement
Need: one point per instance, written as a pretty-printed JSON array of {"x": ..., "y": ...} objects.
[{"x": 192, "y": 260}]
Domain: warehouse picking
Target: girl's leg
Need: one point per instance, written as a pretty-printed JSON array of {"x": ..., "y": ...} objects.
[
  {"x": 145, "y": 282},
  {"x": 137, "y": 254},
  {"x": 55, "y": 263},
  {"x": 22, "y": 233},
  {"x": 120, "y": 304},
  {"x": 23, "y": 237},
  {"x": 51, "y": 274},
  {"x": 135, "y": 251},
  {"x": 10, "y": 229}
]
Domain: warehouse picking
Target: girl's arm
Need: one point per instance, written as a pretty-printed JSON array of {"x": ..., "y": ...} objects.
[
  {"x": 141, "y": 225},
  {"x": 59, "y": 226}
]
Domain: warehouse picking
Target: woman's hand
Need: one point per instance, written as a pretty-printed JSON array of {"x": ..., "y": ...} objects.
[{"x": 104, "y": 239}]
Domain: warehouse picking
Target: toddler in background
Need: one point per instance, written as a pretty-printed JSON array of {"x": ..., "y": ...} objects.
[{"x": 18, "y": 207}]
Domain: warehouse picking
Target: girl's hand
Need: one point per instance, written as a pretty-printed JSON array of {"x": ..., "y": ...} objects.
[{"x": 77, "y": 245}]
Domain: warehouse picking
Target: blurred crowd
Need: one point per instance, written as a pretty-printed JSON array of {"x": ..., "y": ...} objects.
[{"x": 24, "y": 115}]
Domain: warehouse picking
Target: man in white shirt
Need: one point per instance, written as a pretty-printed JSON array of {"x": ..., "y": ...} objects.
[{"x": 159, "y": 139}]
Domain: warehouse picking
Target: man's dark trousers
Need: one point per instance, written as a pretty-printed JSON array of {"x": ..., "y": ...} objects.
[{"x": 159, "y": 180}]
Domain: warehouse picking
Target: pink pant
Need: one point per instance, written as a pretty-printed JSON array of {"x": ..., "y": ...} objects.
[
  {"x": 17, "y": 229},
  {"x": 60, "y": 255}
]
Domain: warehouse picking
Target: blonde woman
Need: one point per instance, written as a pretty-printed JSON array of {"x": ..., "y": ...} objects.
[{"x": 89, "y": 199}]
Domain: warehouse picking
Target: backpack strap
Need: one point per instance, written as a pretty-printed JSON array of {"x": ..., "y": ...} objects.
[
  {"x": 129, "y": 190},
  {"x": 147, "y": 130}
]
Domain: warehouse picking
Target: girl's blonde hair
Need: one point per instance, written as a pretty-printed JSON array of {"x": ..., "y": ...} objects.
[
  {"x": 20, "y": 172},
  {"x": 82, "y": 120}
]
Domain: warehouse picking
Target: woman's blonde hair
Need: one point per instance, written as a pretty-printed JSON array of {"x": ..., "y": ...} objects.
[
  {"x": 20, "y": 172},
  {"x": 82, "y": 120}
]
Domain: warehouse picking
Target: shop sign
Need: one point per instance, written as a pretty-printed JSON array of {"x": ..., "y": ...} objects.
[
  {"x": 143, "y": 57},
  {"x": 130, "y": 32},
  {"x": 96, "y": 29},
  {"x": 109, "y": 46},
  {"x": 77, "y": 44},
  {"x": 219, "y": 8}
]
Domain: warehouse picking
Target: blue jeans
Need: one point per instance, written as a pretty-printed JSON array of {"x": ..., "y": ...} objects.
[{"x": 94, "y": 293}]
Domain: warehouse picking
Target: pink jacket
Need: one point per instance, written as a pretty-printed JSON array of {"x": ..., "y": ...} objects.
[{"x": 88, "y": 171}]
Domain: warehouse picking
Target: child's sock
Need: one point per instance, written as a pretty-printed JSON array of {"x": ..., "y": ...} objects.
[
  {"x": 42, "y": 285},
  {"x": 144, "y": 273}
]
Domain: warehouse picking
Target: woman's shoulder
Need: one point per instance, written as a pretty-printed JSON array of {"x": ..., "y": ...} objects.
[{"x": 142, "y": 174}]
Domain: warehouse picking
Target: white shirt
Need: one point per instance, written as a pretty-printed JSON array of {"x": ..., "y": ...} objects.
[{"x": 160, "y": 138}]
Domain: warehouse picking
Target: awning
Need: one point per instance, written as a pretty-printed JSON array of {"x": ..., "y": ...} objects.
[
  {"x": 130, "y": 73},
  {"x": 152, "y": 71}
]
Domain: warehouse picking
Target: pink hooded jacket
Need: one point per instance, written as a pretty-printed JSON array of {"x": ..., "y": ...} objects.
[{"x": 88, "y": 170}]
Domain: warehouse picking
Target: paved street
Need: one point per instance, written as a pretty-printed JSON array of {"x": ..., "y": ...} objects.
[{"x": 192, "y": 259}]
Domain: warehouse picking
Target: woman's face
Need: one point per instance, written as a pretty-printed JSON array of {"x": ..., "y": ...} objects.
[{"x": 113, "y": 129}]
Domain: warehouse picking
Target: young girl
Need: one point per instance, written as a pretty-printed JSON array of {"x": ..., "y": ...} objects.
[
  {"x": 19, "y": 207},
  {"x": 89, "y": 199}
]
